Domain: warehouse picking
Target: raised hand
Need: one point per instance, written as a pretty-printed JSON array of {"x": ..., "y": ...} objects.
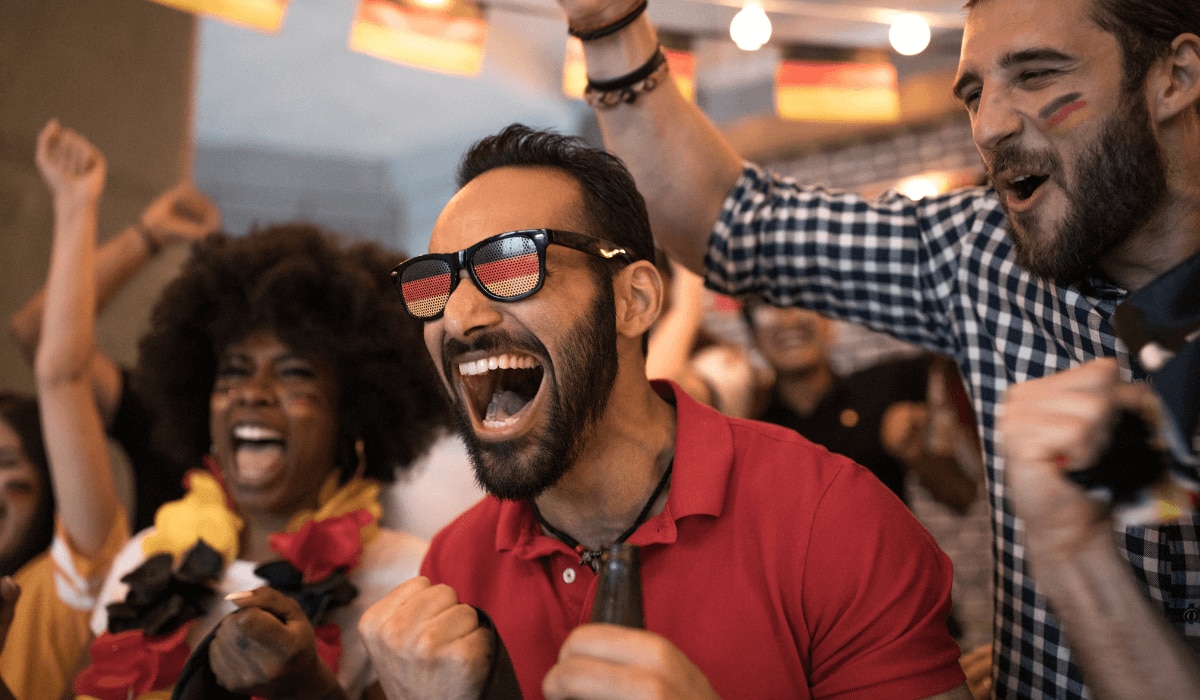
[
  {"x": 1056, "y": 424},
  {"x": 425, "y": 644},
  {"x": 267, "y": 648},
  {"x": 71, "y": 166},
  {"x": 607, "y": 661},
  {"x": 182, "y": 213}
]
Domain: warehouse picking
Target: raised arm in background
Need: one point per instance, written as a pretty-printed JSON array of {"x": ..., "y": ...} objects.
[
  {"x": 80, "y": 471},
  {"x": 682, "y": 164},
  {"x": 182, "y": 213}
]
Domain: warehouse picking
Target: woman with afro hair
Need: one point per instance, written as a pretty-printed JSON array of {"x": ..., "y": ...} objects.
[{"x": 283, "y": 366}]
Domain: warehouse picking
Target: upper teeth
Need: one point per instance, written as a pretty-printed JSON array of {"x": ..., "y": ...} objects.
[
  {"x": 255, "y": 432},
  {"x": 496, "y": 362}
]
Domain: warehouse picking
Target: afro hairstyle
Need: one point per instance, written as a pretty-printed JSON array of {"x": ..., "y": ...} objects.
[{"x": 323, "y": 297}]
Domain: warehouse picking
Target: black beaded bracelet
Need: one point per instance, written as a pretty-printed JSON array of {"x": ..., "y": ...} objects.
[
  {"x": 625, "y": 89},
  {"x": 614, "y": 27},
  {"x": 153, "y": 245}
]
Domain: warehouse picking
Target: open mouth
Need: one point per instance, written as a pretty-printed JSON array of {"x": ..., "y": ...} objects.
[
  {"x": 796, "y": 336},
  {"x": 499, "y": 387},
  {"x": 257, "y": 453},
  {"x": 1024, "y": 186}
]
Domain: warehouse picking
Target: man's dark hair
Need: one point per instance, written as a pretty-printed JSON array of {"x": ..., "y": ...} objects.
[
  {"x": 323, "y": 298},
  {"x": 1143, "y": 29},
  {"x": 20, "y": 412},
  {"x": 613, "y": 208}
]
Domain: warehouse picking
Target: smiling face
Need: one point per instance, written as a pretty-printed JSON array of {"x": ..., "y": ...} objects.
[
  {"x": 793, "y": 340},
  {"x": 21, "y": 489},
  {"x": 528, "y": 378},
  {"x": 273, "y": 421},
  {"x": 1072, "y": 156}
]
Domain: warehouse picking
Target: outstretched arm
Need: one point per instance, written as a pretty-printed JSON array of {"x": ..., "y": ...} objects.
[
  {"x": 182, "y": 213},
  {"x": 80, "y": 472},
  {"x": 1125, "y": 646},
  {"x": 683, "y": 166}
]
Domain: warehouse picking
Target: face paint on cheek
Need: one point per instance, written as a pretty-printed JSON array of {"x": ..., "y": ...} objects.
[{"x": 1063, "y": 113}]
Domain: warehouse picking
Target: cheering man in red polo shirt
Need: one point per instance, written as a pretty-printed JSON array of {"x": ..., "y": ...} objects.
[{"x": 770, "y": 567}]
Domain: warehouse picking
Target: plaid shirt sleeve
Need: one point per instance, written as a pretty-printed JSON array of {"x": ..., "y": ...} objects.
[{"x": 891, "y": 263}]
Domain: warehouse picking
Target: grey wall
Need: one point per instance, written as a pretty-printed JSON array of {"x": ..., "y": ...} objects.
[{"x": 120, "y": 72}]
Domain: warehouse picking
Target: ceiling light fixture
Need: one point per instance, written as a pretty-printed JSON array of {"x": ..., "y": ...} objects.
[
  {"x": 909, "y": 34},
  {"x": 750, "y": 28}
]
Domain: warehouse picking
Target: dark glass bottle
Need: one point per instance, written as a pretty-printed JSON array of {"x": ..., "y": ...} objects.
[{"x": 619, "y": 591}]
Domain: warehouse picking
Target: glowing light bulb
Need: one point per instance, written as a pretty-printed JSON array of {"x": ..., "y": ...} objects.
[
  {"x": 434, "y": 4},
  {"x": 917, "y": 188},
  {"x": 909, "y": 34},
  {"x": 750, "y": 28}
]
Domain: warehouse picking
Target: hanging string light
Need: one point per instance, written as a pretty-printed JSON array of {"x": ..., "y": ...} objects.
[
  {"x": 909, "y": 34},
  {"x": 750, "y": 28}
]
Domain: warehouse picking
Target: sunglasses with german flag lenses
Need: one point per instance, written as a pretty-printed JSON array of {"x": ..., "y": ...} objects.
[{"x": 505, "y": 267}]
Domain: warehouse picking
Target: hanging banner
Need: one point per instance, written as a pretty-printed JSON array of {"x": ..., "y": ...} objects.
[
  {"x": 837, "y": 92},
  {"x": 449, "y": 40},
  {"x": 263, "y": 15}
]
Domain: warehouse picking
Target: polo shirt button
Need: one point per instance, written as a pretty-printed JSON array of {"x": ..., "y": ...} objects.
[
  {"x": 1191, "y": 615},
  {"x": 568, "y": 575}
]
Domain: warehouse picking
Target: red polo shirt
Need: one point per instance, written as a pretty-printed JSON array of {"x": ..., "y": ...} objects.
[{"x": 781, "y": 570}]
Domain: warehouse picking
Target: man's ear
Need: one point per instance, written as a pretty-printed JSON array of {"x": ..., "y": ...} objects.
[
  {"x": 638, "y": 292},
  {"x": 1176, "y": 79}
]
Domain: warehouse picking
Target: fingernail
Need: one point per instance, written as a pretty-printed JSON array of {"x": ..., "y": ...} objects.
[{"x": 238, "y": 595}]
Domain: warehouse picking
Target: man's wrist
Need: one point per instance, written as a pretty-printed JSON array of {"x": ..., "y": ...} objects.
[
  {"x": 622, "y": 52},
  {"x": 607, "y": 26}
]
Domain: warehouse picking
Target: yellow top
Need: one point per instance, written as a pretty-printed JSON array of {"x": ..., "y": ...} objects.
[{"x": 50, "y": 628}]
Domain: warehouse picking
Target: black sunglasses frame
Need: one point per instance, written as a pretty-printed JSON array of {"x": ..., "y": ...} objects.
[{"x": 541, "y": 238}]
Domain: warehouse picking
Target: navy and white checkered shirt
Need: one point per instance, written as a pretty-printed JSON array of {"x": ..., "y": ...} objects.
[{"x": 941, "y": 273}]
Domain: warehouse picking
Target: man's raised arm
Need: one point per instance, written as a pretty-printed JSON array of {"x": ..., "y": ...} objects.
[{"x": 683, "y": 166}]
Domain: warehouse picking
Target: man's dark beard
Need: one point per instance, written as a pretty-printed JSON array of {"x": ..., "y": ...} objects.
[
  {"x": 1121, "y": 180},
  {"x": 578, "y": 393}
]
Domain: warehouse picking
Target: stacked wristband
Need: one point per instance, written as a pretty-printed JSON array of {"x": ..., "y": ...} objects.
[
  {"x": 614, "y": 27},
  {"x": 603, "y": 94},
  {"x": 153, "y": 245}
]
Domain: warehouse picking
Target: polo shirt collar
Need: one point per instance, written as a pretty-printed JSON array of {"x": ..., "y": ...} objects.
[{"x": 699, "y": 483}]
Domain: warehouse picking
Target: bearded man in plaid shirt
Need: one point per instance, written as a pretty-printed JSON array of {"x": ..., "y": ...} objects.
[{"x": 1087, "y": 116}]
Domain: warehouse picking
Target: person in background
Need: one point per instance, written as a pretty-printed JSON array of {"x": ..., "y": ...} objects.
[
  {"x": 27, "y": 527},
  {"x": 713, "y": 371},
  {"x": 536, "y": 299},
  {"x": 282, "y": 368},
  {"x": 181, "y": 214},
  {"x": 49, "y": 628},
  {"x": 876, "y": 416},
  {"x": 1087, "y": 116}
]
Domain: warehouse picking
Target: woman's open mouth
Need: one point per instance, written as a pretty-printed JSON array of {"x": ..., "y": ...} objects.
[{"x": 257, "y": 453}]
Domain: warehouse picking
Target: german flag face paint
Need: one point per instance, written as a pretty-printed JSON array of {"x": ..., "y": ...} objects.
[
  {"x": 505, "y": 267},
  {"x": 1064, "y": 113}
]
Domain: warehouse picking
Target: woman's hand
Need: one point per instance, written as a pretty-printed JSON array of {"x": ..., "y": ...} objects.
[
  {"x": 267, "y": 648},
  {"x": 73, "y": 168}
]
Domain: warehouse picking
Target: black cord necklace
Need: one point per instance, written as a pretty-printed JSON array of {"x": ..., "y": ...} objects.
[{"x": 591, "y": 557}]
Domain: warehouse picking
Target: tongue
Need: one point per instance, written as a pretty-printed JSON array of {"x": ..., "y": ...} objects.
[
  {"x": 256, "y": 464},
  {"x": 503, "y": 405}
]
